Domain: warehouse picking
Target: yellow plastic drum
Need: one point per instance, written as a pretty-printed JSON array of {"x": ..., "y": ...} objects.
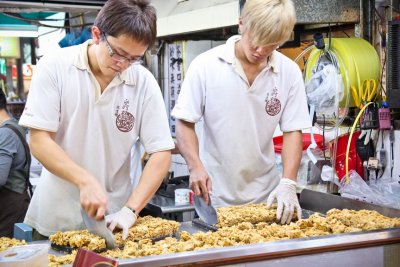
[{"x": 356, "y": 56}]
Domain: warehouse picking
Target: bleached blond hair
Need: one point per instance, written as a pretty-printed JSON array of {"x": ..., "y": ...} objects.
[{"x": 268, "y": 21}]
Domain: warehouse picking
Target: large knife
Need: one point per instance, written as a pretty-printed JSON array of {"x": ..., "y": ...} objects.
[
  {"x": 99, "y": 228},
  {"x": 207, "y": 213}
]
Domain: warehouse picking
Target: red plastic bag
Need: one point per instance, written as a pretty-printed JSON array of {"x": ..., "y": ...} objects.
[{"x": 355, "y": 162}]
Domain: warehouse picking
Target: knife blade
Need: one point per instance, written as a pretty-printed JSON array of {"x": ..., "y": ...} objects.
[
  {"x": 207, "y": 213},
  {"x": 98, "y": 228}
]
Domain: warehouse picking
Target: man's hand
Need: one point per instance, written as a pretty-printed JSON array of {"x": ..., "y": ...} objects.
[
  {"x": 122, "y": 219},
  {"x": 285, "y": 195},
  {"x": 93, "y": 198},
  {"x": 200, "y": 183}
]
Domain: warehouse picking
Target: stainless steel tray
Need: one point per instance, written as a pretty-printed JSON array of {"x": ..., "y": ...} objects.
[{"x": 369, "y": 248}]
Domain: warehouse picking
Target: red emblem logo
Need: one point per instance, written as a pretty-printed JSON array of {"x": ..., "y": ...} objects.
[
  {"x": 273, "y": 104},
  {"x": 125, "y": 120}
]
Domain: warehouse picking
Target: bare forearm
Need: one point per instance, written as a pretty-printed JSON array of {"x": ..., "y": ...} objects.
[
  {"x": 291, "y": 154},
  {"x": 152, "y": 176},
  {"x": 54, "y": 158},
  {"x": 188, "y": 144}
]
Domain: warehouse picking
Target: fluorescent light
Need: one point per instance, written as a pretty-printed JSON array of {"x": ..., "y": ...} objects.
[{"x": 18, "y": 33}]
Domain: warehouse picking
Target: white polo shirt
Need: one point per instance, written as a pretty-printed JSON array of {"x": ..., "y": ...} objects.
[
  {"x": 96, "y": 130},
  {"x": 239, "y": 120}
]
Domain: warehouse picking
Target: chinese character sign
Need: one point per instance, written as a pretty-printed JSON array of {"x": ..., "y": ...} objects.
[{"x": 175, "y": 77}]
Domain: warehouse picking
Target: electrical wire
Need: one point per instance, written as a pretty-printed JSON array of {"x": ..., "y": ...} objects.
[
  {"x": 183, "y": 59},
  {"x": 394, "y": 8},
  {"x": 349, "y": 141},
  {"x": 303, "y": 53},
  {"x": 40, "y": 35},
  {"x": 38, "y": 23},
  {"x": 329, "y": 35},
  {"x": 382, "y": 90},
  {"x": 382, "y": 149},
  {"x": 323, "y": 137},
  {"x": 18, "y": 16}
]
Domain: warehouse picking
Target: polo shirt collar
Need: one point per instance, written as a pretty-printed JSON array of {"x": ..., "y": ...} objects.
[
  {"x": 81, "y": 61},
  {"x": 228, "y": 54}
]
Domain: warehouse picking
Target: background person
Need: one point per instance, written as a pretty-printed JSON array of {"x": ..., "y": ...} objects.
[{"x": 14, "y": 171}]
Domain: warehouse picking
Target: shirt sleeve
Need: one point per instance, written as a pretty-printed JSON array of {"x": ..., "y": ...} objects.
[
  {"x": 295, "y": 115},
  {"x": 8, "y": 148},
  {"x": 190, "y": 104},
  {"x": 154, "y": 133},
  {"x": 42, "y": 109}
]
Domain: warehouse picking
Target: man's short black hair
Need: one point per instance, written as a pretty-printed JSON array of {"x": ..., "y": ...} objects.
[{"x": 135, "y": 18}]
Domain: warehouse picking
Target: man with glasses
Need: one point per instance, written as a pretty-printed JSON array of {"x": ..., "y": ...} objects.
[
  {"x": 242, "y": 91},
  {"x": 119, "y": 58},
  {"x": 88, "y": 106}
]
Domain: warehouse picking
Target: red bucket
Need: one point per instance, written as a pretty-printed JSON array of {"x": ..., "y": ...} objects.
[{"x": 278, "y": 141}]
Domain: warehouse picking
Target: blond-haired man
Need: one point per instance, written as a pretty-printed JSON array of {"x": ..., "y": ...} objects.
[{"x": 242, "y": 91}]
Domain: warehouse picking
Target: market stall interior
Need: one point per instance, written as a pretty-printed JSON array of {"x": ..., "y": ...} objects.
[{"x": 349, "y": 54}]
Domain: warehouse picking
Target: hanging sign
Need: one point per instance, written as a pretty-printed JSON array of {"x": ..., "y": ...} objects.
[{"x": 175, "y": 71}]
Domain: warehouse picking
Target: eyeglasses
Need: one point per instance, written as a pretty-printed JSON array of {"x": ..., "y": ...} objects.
[{"x": 119, "y": 58}]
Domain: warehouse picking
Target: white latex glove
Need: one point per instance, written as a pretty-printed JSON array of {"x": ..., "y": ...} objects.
[
  {"x": 285, "y": 195},
  {"x": 369, "y": 135},
  {"x": 122, "y": 219}
]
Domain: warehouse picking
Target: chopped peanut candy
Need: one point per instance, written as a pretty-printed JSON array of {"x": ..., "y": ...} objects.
[
  {"x": 360, "y": 220},
  {"x": 149, "y": 227},
  {"x": 251, "y": 213},
  {"x": 78, "y": 239},
  {"x": 247, "y": 232}
]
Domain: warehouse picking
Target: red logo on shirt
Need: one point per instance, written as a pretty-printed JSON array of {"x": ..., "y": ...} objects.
[
  {"x": 273, "y": 104},
  {"x": 125, "y": 120}
]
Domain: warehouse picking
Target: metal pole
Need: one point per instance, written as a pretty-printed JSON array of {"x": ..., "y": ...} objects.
[
  {"x": 20, "y": 74},
  {"x": 368, "y": 18}
]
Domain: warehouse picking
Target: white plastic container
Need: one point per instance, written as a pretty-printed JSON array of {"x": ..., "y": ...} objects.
[
  {"x": 182, "y": 196},
  {"x": 33, "y": 255}
]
